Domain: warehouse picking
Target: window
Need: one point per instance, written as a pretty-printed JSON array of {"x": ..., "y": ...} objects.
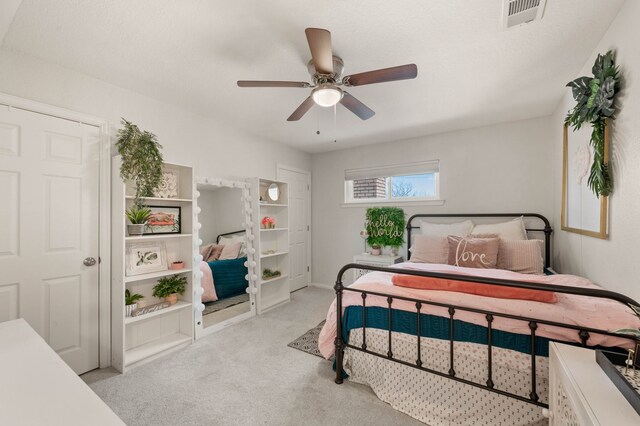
[{"x": 403, "y": 182}]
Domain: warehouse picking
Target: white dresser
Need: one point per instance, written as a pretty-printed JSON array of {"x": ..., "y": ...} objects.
[
  {"x": 368, "y": 259},
  {"x": 581, "y": 394}
]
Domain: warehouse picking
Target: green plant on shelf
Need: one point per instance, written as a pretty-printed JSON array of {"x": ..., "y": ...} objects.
[
  {"x": 130, "y": 299},
  {"x": 169, "y": 285},
  {"x": 268, "y": 274},
  {"x": 138, "y": 215}
]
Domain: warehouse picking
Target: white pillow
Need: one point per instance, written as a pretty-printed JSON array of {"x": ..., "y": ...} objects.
[
  {"x": 460, "y": 229},
  {"x": 427, "y": 249},
  {"x": 512, "y": 230},
  {"x": 237, "y": 238}
]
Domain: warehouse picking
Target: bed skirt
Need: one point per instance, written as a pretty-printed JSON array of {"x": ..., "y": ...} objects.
[{"x": 438, "y": 400}]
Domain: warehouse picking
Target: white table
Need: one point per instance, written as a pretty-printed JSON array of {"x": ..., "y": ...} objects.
[
  {"x": 371, "y": 260},
  {"x": 581, "y": 393},
  {"x": 38, "y": 388}
]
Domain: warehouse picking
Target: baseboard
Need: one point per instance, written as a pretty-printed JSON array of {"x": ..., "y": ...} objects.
[{"x": 321, "y": 285}]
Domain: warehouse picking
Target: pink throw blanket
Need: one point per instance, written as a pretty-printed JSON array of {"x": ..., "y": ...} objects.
[
  {"x": 582, "y": 311},
  {"x": 206, "y": 283}
]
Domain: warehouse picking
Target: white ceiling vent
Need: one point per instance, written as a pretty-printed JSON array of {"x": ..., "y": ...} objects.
[{"x": 518, "y": 12}]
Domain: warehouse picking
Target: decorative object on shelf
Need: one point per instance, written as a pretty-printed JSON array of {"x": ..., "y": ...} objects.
[
  {"x": 143, "y": 258},
  {"x": 131, "y": 302},
  {"x": 269, "y": 252},
  {"x": 177, "y": 265},
  {"x": 582, "y": 211},
  {"x": 273, "y": 192},
  {"x": 376, "y": 250},
  {"x": 268, "y": 274},
  {"x": 138, "y": 219},
  {"x": 169, "y": 288},
  {"x": 268, "y": 222},
  {"x": 595, "y": 102},
  {"x": 141, "y": 160},
  {"x": 163, "y": 220},
  {"x": 364, "y": 235},
  {"x": 385, "y": 226},
  {"x": 150, "y": 308},
  {"x": 168, "y": 187}
]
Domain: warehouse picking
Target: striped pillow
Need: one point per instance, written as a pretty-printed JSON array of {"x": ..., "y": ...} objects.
[{"x": 523, "y": 256}]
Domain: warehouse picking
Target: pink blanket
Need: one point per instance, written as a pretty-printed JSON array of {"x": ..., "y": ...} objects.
[
  {"x": 570, "y": 309},
  {"x": 206, "y": 283}
]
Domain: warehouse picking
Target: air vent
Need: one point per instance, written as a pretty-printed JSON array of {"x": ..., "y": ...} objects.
[{"x": 518, "y": 12}]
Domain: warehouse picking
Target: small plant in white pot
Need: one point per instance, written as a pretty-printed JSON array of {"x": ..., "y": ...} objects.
[
  {"x": 169, "y": 288},
  {"x": 376, "y": 250},
  {"x": 138, "y": 220},
  {"x": 131, "y": 301}
]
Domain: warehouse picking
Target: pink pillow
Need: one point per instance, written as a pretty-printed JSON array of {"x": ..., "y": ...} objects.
[
  {"x": 206, "y": 283},
  {"x": 211, "y": 252},
  {"x": 230, "y": 251},
  {"x": 473, "y": 252},
  {"x": 489, "y": 290},
  {"x": 428, "y": 249}
]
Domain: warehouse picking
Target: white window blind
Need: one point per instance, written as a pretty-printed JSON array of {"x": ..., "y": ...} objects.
[{"x": 407, "y": 169}]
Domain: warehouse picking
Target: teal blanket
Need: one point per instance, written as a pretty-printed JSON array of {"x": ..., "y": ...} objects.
[{"x": 229, "y": 277}]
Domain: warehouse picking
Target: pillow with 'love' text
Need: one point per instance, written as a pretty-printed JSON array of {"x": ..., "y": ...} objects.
[{"x": 473, "y": 252}]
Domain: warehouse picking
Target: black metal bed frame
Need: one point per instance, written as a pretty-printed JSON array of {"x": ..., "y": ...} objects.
[
  {"x": 229, "y": 233},
  {"x": 533, "y": 398}
]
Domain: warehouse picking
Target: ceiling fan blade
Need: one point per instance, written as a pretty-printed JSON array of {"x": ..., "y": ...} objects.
[
  {"x": 259, "y": 83},
  {"x": 357, "y": 107},
  {"x": 402, "y": 72},
  {"x": 302, "y": 109},
  {"x": 321, "y": 50}
]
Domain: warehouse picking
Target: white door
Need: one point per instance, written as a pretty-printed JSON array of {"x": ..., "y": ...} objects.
[
  {"x": 299, "y": 227},
  {"x": 49, "y": 177}
]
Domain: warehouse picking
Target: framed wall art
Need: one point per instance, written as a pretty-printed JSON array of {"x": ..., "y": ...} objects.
[
  {"x": 582, "y": 211},
  {"x": 143, "y": 258},
  {"x": 163, "y": 220}
]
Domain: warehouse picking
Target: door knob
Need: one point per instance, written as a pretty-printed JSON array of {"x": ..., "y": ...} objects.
[{"x": 89, "y": 261}]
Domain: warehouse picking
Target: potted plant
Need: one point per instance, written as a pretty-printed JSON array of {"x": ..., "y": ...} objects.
[
  {"x": 177, "y": 265},
  {"x": 376, "y": 249},
  {"x": 268, "y": 222},
  {"x": 138, "y": 219},
  {"x": 131, "y": 301},
  {"x": 169, "y": 288},
  {"x": 141, "y": 160}
]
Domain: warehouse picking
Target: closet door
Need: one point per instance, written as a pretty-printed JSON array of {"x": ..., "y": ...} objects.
[{"x": 49, "y": 176}]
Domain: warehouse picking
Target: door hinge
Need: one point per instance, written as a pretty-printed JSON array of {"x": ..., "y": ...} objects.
[
  {"x": 308, "y": 269},
  {"x": 308, "y": 187},
  {"x": 308, "y": 229}
]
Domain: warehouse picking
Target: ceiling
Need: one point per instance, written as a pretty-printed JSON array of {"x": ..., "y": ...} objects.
[{"x": 190, "y": 53}]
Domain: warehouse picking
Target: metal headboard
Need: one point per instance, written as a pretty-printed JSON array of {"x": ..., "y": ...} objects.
[
  {"x": 229, "y": 233},
  {"x": 546, "y": 229}
]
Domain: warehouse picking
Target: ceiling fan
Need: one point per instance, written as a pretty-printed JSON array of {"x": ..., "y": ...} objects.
[{"x": 326, "y": 72}]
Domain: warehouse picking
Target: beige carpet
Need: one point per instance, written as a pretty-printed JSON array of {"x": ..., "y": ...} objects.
[{"x": 246, "y": 375}]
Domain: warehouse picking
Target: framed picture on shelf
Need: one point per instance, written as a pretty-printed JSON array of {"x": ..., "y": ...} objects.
[
  {"x": 143, "y": 258},
  {"x": 163, "y": 220}
]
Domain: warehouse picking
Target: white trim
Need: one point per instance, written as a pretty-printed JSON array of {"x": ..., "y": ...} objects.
[
  {"x": 214, "y": 328},
  {"x": 104, "y": 213},
  {"x": 369, "y": 203},
  {"x": 321, "y": 285},
  {"x": 280, "y": 166}
]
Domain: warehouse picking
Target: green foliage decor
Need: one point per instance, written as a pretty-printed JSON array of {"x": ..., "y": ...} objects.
[
  {"x": 168, "y": 285},
  {"x": 130, "y": 299},
  {"x": 141, "y": 159},
  {"x": 595, "y": 102},
  {"x": 385, "y": 226},
  {"x": 138, "y": 215},
  {"x": 634, "y": 332}
]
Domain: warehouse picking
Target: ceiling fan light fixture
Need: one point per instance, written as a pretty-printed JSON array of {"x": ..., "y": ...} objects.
[{"x": 326, "y": 95}]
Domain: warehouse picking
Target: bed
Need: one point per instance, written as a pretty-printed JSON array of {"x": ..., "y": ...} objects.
[
  {"x": 473, "y": 351},
  {"x": 224, "y": 279}
]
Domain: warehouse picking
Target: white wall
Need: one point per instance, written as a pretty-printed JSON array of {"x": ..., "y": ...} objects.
[
  {"x": 212, "y": 147},
  {"x": 611, "y": 263},
  {"x": 221, "y": 212},
  {"x": 498, "y": 168}
]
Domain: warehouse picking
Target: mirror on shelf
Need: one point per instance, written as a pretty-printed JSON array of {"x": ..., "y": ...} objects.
[
  {"x": 273, "y": 192},
  {"x": 225, "y": 242}
]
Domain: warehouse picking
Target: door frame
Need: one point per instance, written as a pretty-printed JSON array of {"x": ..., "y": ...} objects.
[
  {"x": 104, "y": 210},
  {"x": 279, "y": 167}
]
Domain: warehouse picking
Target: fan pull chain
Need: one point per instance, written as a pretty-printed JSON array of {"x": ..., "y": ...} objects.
[{"x": 335, "y": 123}]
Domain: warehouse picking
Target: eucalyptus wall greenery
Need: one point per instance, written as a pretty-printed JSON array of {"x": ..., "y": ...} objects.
[
  {"x": 141, "y": 159},
  {"x": 595, "y": 102},
  {"x": 385, "y": 226}
]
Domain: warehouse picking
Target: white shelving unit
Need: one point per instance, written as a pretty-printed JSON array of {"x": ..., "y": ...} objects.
[
  {"x": 271, "y": 245},
  {"x": 136, "y": 340}
]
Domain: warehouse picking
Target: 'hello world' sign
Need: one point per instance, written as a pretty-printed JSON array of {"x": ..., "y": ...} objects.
[{"x": 385, "y": 226}]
